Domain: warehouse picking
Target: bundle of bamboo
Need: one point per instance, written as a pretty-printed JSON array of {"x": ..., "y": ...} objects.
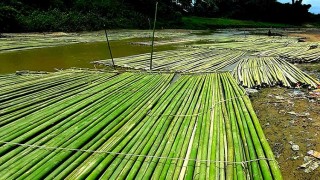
[
  {"x": 294, "y": 53},
  {"x": 78, "y": 124},
  {"x": 251, "y": 72}
]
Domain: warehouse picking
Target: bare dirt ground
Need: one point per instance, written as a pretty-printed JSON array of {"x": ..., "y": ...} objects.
[
  {"x": 275, "y": 108},
  {"x": 309, "y": 37}
]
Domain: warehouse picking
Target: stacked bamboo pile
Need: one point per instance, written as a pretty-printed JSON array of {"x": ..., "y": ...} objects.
[{"x": 252, "y": 72}]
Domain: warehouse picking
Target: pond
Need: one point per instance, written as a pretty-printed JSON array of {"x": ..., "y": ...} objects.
[{"x": 72, "y": 55}]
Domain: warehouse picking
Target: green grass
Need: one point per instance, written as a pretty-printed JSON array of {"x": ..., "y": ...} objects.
[{"x": 212, "y": 23}]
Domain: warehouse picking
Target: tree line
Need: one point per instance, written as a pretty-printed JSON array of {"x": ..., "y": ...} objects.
[{"x": 79, "y": 15}]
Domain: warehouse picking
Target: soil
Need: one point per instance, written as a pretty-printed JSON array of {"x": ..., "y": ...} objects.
[
  {"x": 308, "y": 37},
  {"x": 310, "y": 68},
  {"x": 274, "y": 108}
]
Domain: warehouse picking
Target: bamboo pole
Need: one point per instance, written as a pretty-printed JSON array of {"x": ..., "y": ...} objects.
[{"x": 154, "y": 29}]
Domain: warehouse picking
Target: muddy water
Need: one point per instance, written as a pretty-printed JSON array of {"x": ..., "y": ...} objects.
[{"x": 73, "y": 55}]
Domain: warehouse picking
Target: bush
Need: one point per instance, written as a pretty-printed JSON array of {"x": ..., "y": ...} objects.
[
  {"x": 80, "y": 15},
  {"x": 56, "y": 20},
  {"x": 8, "y": 19}
]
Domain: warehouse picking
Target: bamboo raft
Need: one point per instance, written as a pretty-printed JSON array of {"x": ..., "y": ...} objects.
[
  {"x": 186, "y": 60},
  {"x": 77, "y": 124}
]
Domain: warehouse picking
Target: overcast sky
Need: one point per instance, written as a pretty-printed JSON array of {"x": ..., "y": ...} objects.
[{"x": 315, "y": 8}]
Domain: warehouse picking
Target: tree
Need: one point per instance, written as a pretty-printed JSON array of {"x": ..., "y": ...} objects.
[
  {"x": 205, "y": 8},
  {"x": 186, "y": 5},
  {"x": 8, "y": 18}
]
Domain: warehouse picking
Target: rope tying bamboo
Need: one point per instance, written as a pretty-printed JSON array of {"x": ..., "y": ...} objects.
[
  {"x": 134, "y": 155},
  {"x": 197, "y": 114}
]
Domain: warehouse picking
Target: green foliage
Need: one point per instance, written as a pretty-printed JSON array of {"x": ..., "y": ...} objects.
[
  {"x": 56, "y": 20},
  {"x": 206, "y": 9},
  {"x": 8, "y": 18},
  {"x": 79, "y": 15},
  {"x": 213, "y": 23}
]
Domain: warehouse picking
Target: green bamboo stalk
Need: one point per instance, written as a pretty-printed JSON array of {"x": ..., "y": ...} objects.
[
  {"x": 96, "y": 145},
  {"x": 157, "y": 136},
  {"x": 114, "y": 113},
  {"x": 106, "y": 160},
  {"x": 260, "y": 141},
  {"x": 230, "y": 146},
  {"x": 125, "y": 114},
  {"x": 190, "y": 173},
  {"x": 175, "y": 168},
  {"x": 169, "y": 139}
]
